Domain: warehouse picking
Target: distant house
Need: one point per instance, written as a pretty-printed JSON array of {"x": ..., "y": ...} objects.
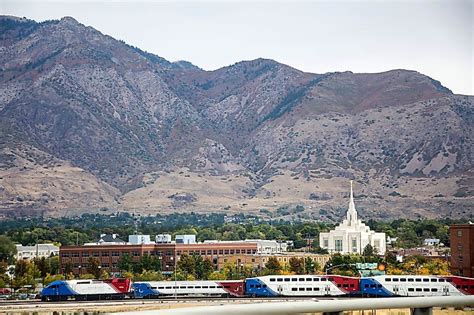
[
  {"x": 431, "y": 242},
  {"x": 391, "y": 240},
  {"x": 36, "y": 251}
]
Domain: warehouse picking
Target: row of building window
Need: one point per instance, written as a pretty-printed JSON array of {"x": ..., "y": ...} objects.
[
  {"x": 217, "y": 252},
  {"x": 114, "y": 254},
  {"x": 103, "y": 265}
]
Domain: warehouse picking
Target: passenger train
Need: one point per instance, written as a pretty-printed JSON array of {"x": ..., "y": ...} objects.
[{"x": 265, "y": 286}]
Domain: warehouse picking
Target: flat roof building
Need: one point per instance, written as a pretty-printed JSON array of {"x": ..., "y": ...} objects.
[
  {"x": 36, "y": 251},
  {"x": 169, "y": 253}
]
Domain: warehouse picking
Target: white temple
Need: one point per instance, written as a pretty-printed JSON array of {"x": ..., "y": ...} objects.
[{"x": 352, "y": 236}]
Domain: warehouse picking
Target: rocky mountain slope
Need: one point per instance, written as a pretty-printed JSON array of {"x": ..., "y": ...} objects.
[{"x": 89, "y": 123}]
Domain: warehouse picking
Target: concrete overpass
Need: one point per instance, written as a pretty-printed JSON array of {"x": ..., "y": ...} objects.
[{"x": 418, "y": 305}]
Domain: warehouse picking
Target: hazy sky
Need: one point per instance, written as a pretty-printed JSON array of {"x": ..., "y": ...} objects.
[{"x": 432, "y": 37}]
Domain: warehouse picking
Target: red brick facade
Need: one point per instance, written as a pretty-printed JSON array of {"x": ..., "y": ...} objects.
[
  {"x": 109, "y": 255},
  {"x": 462, "y": 249}
]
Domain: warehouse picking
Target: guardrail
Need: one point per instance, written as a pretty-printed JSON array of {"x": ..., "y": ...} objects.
[{"x": 419, "y": 305}]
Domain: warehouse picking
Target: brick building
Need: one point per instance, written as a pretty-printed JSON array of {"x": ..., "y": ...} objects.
[
  {"x": 462, "y": 249},
  {"x": 109, "y": 254},
  {"x": 257, "y": 262}
]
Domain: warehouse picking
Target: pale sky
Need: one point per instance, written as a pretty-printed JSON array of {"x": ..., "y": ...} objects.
[{"x": 432, "y": 37}]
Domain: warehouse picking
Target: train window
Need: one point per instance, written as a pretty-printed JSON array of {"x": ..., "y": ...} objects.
[
  {"x": 272, "y": 279},
  {"x": 205, "y": 287},
  {"x": 300, "y": 289},
  {"x": 264, "y": 286},
  {"x": 388, "y": 279},
  {"x": 219, "y": 286},
  {"x": 167, "y": 287},
  {"x": 434, "y": 289},
  {"x": 411, "y": 289},
  {"x": 366, "y": 286},
  {"x": 418, "y": 289},
  {"x": 440, "y": 280},
  {"x": 418, "y": 280},
  {"x": 345, "y": 285},
  {"x": 449, "y": 280},
  {"x": 465, "y": 287},
  {"x": 426, "y": 289},
  {"x": 330, "y": 279},
  {"x": 309, "y": 279},
  {"x": 395, "y": 279},
  {"x": 84, "y": 282},
  {"x": 434, "y": 280},
  {"x": 197, "y": 287},
  {"x": 287, "y": 279},
  {"x": 279, "y": 279},
  {"x": 372, "y": 285},
  {"x": 252, "y": 286},
  {"x": 379, "y": 286},
  {"x": 309, "y": 289},
  {"x": 426, "y": 280},
  {"x": 315, "y": 279},
  {"x": 403, "y": 279},
  {"x": 294, "y": 289},
  {"x": 258, "y": 286},
  {"x": 351, "y": 285},
  {"x": 182, "y": 287},
  {"x": 410, "y": 279},
  {"x": 338, "y": 285},
  {"x": 160, "y": 288},
  {"x": 316, "y": 289},
  {"x": 294, "y": 279},
  {"x": 301, "y": 279}
]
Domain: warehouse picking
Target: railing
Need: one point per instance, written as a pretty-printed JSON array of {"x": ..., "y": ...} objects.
[{"x": 419, "y": 305}]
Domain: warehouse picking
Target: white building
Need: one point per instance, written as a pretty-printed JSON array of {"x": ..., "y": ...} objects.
[
  {"x": 38, "y": 250},
  {"x": 185, "y": 239},
  {"x": 352, "y": 236},
  {"x": 137, "y": 239}
]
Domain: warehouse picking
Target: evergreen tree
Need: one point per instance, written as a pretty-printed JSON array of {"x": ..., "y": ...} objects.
[{"x": 273, "y": 266}]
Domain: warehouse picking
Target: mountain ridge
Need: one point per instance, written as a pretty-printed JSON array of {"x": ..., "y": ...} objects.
[{"x": 76, "y": 101}]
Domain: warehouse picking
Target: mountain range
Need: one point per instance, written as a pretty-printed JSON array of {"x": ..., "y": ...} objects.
[{"x": 89, "y": 123}]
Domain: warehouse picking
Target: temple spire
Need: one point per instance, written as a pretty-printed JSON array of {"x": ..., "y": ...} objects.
[{"x": 351, "y": 212}]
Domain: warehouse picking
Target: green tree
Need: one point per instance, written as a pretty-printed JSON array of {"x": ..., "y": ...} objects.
[
  {"x": 94, "y": 267},
  {"x": 203, "y": 267},
  {"x": 7, "y": 249},
  {"x": 369, "y": 251},
  {"x": 125, "y": 263},
  {"x": 311, "y": 266},
  {"x": 186, "y": 265},
  {"x": 273, "y": 266},
  {"x": 53, "y": 265},
  {"x": 296, "y": 265},
  {"x": 68, "y": 268},
  {"x": 148, "y": 275}
]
